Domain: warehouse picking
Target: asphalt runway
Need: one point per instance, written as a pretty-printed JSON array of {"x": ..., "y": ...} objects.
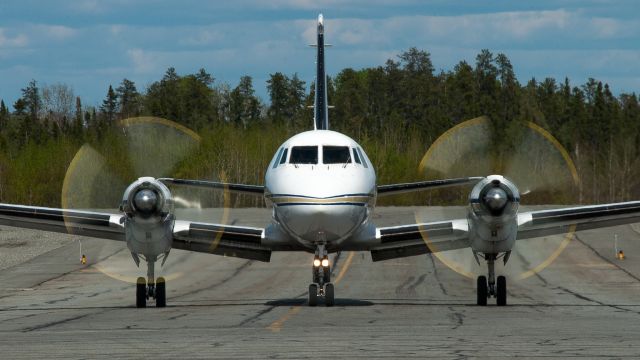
[{"x": 585, "y": 304}]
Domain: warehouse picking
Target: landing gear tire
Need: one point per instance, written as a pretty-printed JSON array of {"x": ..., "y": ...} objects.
[
  {"x": 501, "y": 291},
  {"x": 161, "y": 294},
  {"x": 328, "y": 295},
  {"x": 482, "y": 290},
  {"x": 141, "y": 293},
  {"x": 313, "y": 295}
]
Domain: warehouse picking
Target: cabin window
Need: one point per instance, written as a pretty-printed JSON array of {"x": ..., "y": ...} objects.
[
  {"x": 304, "y": 155},
  {"x": 284, "y": 156},
  {"x": 364, "y": 160},
  {"x": 356, "y": 157},
  {"x": 336, "y": 155},
  {"x": 277, "y": 158}
]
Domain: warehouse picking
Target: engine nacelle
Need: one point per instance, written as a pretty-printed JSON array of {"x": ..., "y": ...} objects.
[
  {"x": 149, "y": 218},
  {"x": 493, "y": 211}
]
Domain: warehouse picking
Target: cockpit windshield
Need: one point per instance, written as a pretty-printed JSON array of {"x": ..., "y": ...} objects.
[
  {"x": 304, "y": 155},
  {"x": 336, "y": 155}
]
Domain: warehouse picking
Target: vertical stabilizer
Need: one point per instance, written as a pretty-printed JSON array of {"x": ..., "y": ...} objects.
[{"x": 321, "y": 113}]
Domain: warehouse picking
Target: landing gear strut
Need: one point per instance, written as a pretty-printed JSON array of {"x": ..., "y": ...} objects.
[
  {"x": 321, "y": 286},
  {"x": 491, "y": 288},
  {"x": 151, "y": 288}
]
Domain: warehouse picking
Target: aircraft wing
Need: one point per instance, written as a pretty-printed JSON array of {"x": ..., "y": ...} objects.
[
  {"x": 424, "y": 185},
  {"x": 236, "y": 241},
  {"x": 235, "y": 188},
  {"x": 559, "y": 221},
  {"x": 85, "y": 223},
  {"x": 417, "y": 239}
]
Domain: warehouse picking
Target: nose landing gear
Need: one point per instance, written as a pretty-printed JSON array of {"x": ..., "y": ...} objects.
[
  {"x": 321, "y": 286},
  {"x": 491, "y": 288},
  {"x": 146, "y": 290}
]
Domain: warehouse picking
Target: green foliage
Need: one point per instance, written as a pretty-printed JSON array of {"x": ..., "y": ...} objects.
[
  {"x": 287, "y": 97},
  {"x": 395, "y": 111},
  {"x": 244, "y": 106},
  {"x": 128, "y": 99},
  {"x": 184, "y": 99}
]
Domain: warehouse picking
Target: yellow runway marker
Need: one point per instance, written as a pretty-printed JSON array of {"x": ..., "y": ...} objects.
[
  {"x": 345, "y": 267},
  {"x": 276, "y": 326}
]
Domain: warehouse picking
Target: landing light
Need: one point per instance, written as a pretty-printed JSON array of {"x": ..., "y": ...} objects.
[
  {"x": 316, "y": 262},
  {"x": 325, "y": 262}
]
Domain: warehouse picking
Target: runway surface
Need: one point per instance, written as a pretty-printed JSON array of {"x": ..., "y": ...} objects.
[{"x": 585, "y": 304}]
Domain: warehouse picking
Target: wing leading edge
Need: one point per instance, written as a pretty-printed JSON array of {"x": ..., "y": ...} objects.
[
  {"x": 235, "y": 241},
  {"x": 559, "y": 221},
  {"x": 417, "y": 239},
  {"x": 236, "y": 188},
  {"x": 424, "y": 185},
  {"x": 76, "y": 222}
]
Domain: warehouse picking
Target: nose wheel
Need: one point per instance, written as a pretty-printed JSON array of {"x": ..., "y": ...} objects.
[
  {"x": 321, "y": 286},
  {"x": 487, "y": 288}
]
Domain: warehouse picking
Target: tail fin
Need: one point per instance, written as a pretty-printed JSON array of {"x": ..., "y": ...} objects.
[{"x": 321, "y": 113}]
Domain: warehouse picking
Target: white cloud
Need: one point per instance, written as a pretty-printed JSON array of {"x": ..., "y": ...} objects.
[
  {"x": 117, "y": 29},
  {"x": 143, "y": 61},
  {"x": 7, "y": 41},
  {"x": 523, "y": 24},
  {"x": 606, "y": 28},
  {"x": 89, "y": 6},
  {"x": 57, "y": 32},
  {"x": 461, "y": 28}
]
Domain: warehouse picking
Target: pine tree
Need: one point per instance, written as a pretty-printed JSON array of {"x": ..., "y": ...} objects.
[
  {"x": 508, "y": 103},
  {"x": 244, "y": 106},
  {"x": 4, "y": 115},
  {"x": 277, "y": 86},
  {"x": 78, "y": 123},
  {"x": 128, "y": 99},
  {"x": 32, "y": 100},
  {"x": 204, "y": 77},
  {"x": 109, "y": 106},
  {"x": 27, "y": 109},
  {"x": 296, "y": 97}
]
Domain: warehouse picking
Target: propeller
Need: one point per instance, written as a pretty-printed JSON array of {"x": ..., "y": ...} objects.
[
  {"x": 524, "y": 153},
  {"x": 101, "y": 171}
]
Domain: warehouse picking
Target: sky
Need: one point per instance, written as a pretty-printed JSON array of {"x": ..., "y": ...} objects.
[{"x": 90, "y": 44}]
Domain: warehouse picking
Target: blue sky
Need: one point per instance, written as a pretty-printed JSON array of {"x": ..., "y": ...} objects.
[{"x": 89, "y": 44}]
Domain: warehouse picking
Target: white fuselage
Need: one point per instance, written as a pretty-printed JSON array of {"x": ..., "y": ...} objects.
[{"x": 322, "y": 187}]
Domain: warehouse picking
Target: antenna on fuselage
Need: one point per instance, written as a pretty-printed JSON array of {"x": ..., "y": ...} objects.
[{"x": 321, "y": 109}]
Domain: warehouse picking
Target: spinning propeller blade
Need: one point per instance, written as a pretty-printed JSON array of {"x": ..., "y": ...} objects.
[
  {"x": 527, "y": 155},
  {"x": 100, "y": 172}
]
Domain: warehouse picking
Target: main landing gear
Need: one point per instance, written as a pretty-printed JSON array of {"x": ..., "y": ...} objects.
[
  {"x": 491, "y": 288},
  {"x": 146, "y": 290},
  {"x": 321, "y": 286}
]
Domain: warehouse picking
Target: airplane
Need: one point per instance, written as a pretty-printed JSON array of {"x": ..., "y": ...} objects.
[{"x": 322, "y": 188}]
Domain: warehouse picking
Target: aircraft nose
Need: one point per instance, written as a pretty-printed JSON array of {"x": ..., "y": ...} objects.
[{"x": 310, "y": 222}]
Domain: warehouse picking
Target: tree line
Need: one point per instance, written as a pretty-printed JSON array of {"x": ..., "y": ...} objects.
[{"x": 395, "y": 111}]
